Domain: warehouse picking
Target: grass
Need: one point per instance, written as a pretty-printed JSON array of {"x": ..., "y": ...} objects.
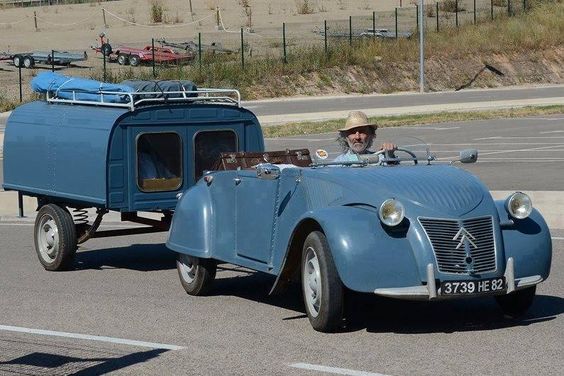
[{"x": 302, "y": 128}]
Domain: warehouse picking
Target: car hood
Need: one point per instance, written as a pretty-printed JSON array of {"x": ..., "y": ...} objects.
[{"x": 439, "y": 188}]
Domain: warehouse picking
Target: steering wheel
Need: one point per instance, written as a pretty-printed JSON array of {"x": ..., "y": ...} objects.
[{"x": 388, "y": 155}]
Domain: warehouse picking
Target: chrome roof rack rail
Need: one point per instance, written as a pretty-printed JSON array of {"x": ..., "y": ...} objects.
[{"x": 131, "y": 100}]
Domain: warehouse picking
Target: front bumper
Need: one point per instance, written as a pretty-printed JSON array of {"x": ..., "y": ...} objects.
[{"x": 430, "y": 292}]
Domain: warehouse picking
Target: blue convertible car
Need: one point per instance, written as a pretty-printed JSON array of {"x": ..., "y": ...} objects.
[{"x": 404, "y": 227}]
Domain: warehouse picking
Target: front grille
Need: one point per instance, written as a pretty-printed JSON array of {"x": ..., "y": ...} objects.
[{"x": 475, "y": 254}]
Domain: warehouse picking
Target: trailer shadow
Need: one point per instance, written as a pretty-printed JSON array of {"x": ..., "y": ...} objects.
[
  {"x": 382, "y": 315},
  {"x": 48, "y": 363},
  {"x": 140, "y": 257}
]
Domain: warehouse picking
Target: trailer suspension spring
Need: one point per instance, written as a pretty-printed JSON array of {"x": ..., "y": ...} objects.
[{"x": 80, "y": 216}]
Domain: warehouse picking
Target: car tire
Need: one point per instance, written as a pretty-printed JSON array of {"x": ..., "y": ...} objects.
[
  {"x": 134, "y": 60},
  {"x": 122, "y": 59},
  {"x": 322, "y": 289},
  {"x": 18, "y": 61},
  {"x": 28, "y": 62},
  {"x": 196, "y": 274},
  {"x": 516, "y": 304},
  {"x": 55, "y": 237}
]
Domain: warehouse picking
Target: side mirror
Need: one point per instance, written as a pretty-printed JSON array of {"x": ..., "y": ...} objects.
[
  {"x": 469, "y": 156},
  {"x": 268, "y": 171}
]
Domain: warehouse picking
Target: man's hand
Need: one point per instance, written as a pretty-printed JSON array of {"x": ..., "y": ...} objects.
[{"x": 388, "y": 146}]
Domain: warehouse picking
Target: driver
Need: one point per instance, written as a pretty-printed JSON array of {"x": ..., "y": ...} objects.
[{"x": 357, "y": 137}]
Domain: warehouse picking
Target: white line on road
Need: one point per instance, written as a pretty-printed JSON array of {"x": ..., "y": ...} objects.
[
  {"x": 516, "y": 137},
  {"x": 338, "y": 371},
  {"x": 557, "y": 238},
  {"x": 547, "y": 132},
  {"x": 90, "y": 337}
]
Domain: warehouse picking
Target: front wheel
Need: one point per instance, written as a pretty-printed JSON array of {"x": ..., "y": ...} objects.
[
  {"x": 516, "y": 304},
  {"x": 55, "y": 237},
  {"x": 196, "y": 274},
  {"x": 322, "y": 288}
]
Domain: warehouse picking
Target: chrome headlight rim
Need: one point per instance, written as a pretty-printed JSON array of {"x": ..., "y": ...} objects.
[
  {"x": 519, "y": 205},
  {"x": 397, "y": 214}
]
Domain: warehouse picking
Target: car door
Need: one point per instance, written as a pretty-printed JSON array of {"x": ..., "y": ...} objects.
[{"x": 256, "y": 202}]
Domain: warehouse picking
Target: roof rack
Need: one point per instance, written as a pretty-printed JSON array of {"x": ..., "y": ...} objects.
[{"x": 132, "y": 100}]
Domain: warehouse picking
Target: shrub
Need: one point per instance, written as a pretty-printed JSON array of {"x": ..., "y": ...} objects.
[
  {"x": 157, "y": 11},
  {"x": 304, "y": 7}
]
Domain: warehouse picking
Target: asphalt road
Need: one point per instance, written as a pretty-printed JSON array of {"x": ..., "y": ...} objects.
[
  {"x": 322, "y": 104},
  {"x": 128, "y": 289}
]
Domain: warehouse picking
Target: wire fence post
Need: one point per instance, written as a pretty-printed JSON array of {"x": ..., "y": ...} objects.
[
  {"x": 20, "y": 80},
  {"x": 417, "y": 16},
  {"x": 20, "y": 205},
  {"x": 350, "y": 30},
  {"x": 153, "y": 53},
  {"x": 326, "y": 44},
  {"x": 104, "y": 17},
  {"x": 437, "y": 11},
  {"x": 104, "y": 59},
  {"x": 52, "y": 60},
  {"x": 491, "y": 9},
  {"x": 35, "y": 19},
  {"x": 374, "y": 24},
  {"x": 456, "y": 12},
  {"x": 509, "y": 8},
  {"x": 475, "y": 12},
  {"x": 396, "y": 16},
  {"x": 242, "y": 51},
  {"x": 200, "y": 51},
  {"x": 284, "y": 42},
  {"x": 524, "y": 5}
]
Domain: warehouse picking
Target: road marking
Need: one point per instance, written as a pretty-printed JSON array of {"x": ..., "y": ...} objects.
[
  {"x": 557, "y": 238},
  {"x": 520, "y": 150},
  {"x": 338, "y": 371},
  {"x": 121, "y": 341},
  {"x": 547, "y": 132},
  {"x": 517, "y": 137}
]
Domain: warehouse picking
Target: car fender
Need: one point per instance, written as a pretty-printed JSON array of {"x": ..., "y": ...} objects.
[
  {"x": 367, "y": 255},
  {"x": 191, "y": 228},
  {"x": 527, "y": 241}
]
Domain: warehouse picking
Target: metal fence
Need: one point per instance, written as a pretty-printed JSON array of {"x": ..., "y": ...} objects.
[{"x": 286, "y": 41}]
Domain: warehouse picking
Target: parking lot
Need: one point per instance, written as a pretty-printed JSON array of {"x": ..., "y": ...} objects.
[{"x": 123, "y": 309}]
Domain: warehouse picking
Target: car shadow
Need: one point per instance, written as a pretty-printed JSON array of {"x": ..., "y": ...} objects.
[
  {"x": 383, "y": 315},
  {"x": 380, "y": 315},
  {"x": 140, "y": 257}
]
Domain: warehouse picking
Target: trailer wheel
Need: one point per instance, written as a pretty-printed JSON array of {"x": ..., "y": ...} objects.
[
  {"x": 196, "y": 274},
  {"x": 134, "y": 60},
  {"x": 122, "y": 59},
  {"x": 28, "y": 62},
  {"x": 55, "y": 237},
  {"x": 106, "y": 49},
  {"x": 17, "y": 60}
]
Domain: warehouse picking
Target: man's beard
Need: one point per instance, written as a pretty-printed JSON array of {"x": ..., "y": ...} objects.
[{"x": 358, "y": 146}]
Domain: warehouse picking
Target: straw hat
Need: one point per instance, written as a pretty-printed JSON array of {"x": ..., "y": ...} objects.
[{"x": 357, "y": 119}]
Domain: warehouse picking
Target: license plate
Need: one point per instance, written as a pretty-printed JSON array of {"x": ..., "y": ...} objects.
[{"x": 483, "y": 286}]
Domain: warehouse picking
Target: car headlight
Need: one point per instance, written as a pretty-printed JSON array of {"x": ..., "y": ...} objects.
[
  {"x": 519, "y": 205},
  {"x": 391, "y": 212}
]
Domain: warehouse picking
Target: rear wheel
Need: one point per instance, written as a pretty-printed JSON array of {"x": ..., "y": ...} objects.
[
  {"x": 517, "y": 303},
  {"x": 322, "y": 289},
  {"x": 196, "y": 274},
  {"x": 122, "y": 59},
  {"x": 134, "y": 60},
  {"x": 55, "y": 237}
]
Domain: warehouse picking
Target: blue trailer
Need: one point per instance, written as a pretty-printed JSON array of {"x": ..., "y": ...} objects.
[{"x": 74, "y": 152}]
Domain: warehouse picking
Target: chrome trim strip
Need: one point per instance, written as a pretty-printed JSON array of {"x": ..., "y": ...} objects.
[
  {"x": 404, "y": 292},
  {"x": 431, "y": 285},
  {"x": 510, "y": 275}
]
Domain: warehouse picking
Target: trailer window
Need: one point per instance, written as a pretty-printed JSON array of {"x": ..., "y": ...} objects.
[
  {"x": 159, "y": 162},
  {"x": 207, "y": 147}
]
